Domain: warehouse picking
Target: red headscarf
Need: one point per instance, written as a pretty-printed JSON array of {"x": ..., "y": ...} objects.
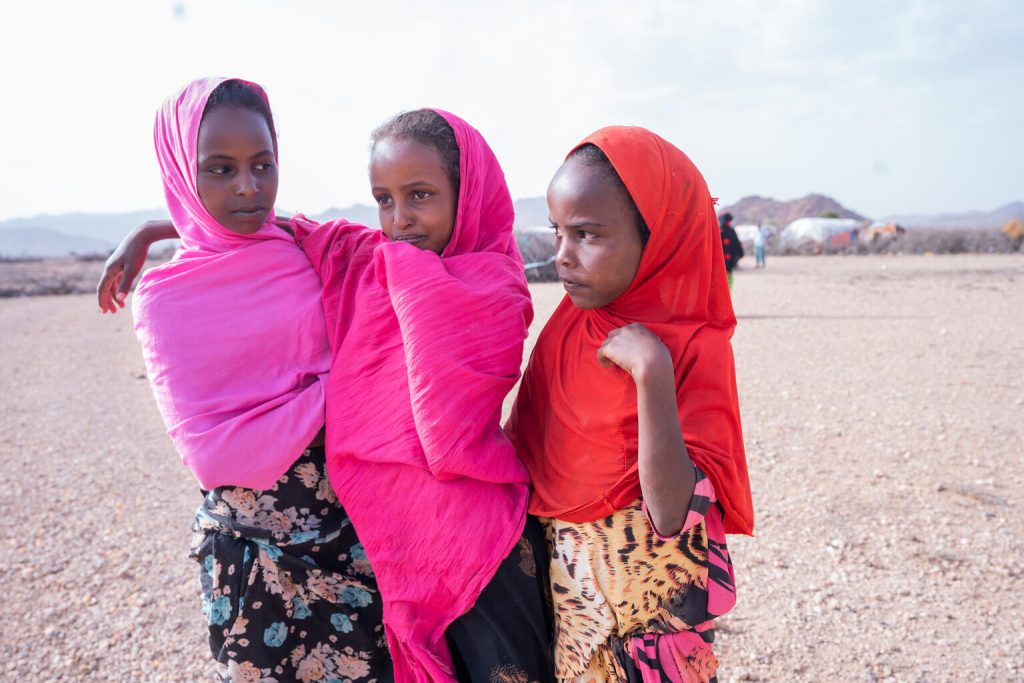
[{"x": 574, "y": 423}]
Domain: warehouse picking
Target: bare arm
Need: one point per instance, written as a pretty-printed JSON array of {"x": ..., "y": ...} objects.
[
  {"x": 126, "y": 262},
  {"x": 667, "y": 477}
]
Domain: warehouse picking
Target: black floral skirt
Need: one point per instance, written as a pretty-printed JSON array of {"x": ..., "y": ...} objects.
[{"x": 286, "y": 587}]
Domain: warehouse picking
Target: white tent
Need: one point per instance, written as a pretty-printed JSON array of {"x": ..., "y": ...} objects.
[{"x": 818, "y": 230}]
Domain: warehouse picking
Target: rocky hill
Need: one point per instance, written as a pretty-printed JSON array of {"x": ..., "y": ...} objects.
[
  {"x": 56, "y": 236},
  {"x": 357, "y": 213},
  {"x": 531, "y": 212},
  {"x": 49, "y": 236},
  {"x": 756, "y": 209},
  {"x": 16, "y": 243},
  {"x": 968, "y": 219}
]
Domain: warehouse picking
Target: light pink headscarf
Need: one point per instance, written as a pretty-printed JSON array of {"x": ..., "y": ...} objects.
[
  {"x": 424, "y": 351},
  {"x": 231, "y": 328}
]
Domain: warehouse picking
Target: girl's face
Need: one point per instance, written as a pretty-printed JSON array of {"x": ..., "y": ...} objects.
[
  {"x": 237, "y": 169},
  {"x": 596, "y": 236},
  {"x": 416, "y": 198}
]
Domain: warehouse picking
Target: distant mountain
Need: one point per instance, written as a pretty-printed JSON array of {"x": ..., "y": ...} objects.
[
  {"x": 531, "y": 212},
  {"x": 106, "y": 227},
  {"x": 756, "y": 209},
  {"x": 967, "y": 219},
  {"x": 357, "y": 213},
  {"x": 64, "y": 234},
  {"x": 43, "y": 243},
  {"x": 52, "y": 236}
]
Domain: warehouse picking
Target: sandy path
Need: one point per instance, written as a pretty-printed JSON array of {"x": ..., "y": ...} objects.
[{"x": 883, "y": 403}]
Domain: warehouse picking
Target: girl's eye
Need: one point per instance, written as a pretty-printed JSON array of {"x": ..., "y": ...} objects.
[
  {"x": 584, "y": 234},
  {"x": 219, "y": 170},
  {"x": 383, "y": 200},
  {"x": 266, "y": 166},
  {"x": 554, "y": 229},
  {"x": 420, "y": 194}
]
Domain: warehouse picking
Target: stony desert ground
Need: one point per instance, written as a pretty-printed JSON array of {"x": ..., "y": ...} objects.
[{"x": 883, "y": 405}]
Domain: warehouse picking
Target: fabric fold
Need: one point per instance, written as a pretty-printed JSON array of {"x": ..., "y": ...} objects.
[
  {"x": 574, "y": 423},
  {"x": 425, "y": 348},
  {"x": 231, "y": 327},
  {"x": 476, "y": 355}
]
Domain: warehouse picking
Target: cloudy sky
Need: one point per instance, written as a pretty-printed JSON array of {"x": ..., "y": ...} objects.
[{"x": 891, "y": 107}]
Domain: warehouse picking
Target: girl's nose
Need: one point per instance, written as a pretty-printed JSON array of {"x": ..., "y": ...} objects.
[
  {"x": 564, "y": 254},
  {"x": 400, "y": 217},
  {"x": 248, "y": 185}
]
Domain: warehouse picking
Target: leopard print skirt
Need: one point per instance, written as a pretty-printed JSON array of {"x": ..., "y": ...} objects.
[{"x": 630, "y": 605}]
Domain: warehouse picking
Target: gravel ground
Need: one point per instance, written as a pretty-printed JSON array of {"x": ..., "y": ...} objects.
[
  {"x": 55, "y": 276},
  {"x": 48, "y": 276},
  {"x": 883, "y": 403}
]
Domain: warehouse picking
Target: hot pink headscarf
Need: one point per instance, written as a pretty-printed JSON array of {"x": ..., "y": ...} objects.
[
  {"x": 424, "y": 351},
  {"x": 231, "y": 328}
]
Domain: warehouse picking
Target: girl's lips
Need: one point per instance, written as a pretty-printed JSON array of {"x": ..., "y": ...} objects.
[
  {"x": 571, "y": 286},
  {"x": 411, "y": 238},
  {"x": 253, "y": 211}
]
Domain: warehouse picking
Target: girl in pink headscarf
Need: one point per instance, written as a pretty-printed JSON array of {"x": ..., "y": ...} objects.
[
  {"x": 426, "y": 321},
  {"x": 237, "y": 355}
]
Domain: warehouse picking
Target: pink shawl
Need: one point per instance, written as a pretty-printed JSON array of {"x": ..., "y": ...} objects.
[
  {"x": 231, "y": 328},
  {"x": 424, "y": 350}
]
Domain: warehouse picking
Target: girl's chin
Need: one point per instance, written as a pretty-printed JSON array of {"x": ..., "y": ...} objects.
[{"x": 245, "y": 226}]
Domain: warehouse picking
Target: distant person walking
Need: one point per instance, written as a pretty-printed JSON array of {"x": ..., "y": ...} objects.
[
  {"x": 731, "y": 247},
  {"x": 760, "y": 237}
]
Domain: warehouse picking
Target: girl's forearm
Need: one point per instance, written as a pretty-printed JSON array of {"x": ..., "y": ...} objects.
[
  {"x": 667, "y": 477},
  {"x": 155, "y": 231}
]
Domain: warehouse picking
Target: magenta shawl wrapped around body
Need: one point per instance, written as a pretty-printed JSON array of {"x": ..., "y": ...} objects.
[
  {"x": 425, "y": 348},
  {"x": 231, "y": 328}
]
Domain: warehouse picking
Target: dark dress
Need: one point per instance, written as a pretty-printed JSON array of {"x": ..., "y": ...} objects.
[
  {"x": 287, "y": 590},
  {"x": 506, "y": 636}
]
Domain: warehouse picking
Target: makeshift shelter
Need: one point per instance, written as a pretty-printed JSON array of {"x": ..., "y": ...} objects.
[{"x": 820, "y": 231}]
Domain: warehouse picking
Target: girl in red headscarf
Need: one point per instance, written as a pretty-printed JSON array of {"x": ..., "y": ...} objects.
[{"x": 628, "y": 419}]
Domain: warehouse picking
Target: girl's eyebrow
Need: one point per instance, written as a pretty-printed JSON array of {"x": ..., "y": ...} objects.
[
  {"x": 580, "y": 224},
  {"x": 404, "y": 186},
  {"x": 228, "y": 157},
  {"x": 414, "y": 183}
]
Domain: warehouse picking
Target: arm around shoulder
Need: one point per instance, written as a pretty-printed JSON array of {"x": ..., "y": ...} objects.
[{"x": 125, "y": 263}]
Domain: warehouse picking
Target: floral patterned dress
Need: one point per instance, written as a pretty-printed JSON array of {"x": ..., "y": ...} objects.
[{"x": 286, "y": 587}]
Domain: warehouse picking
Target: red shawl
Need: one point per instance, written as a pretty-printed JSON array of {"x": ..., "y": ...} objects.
[{"x": 574, "y": 423}]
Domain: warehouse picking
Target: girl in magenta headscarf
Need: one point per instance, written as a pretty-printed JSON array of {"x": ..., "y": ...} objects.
[
  {"x": 426, "y": 342},
  {"x": 237, "y": 355},
  {"x": 426, "y": 321}
]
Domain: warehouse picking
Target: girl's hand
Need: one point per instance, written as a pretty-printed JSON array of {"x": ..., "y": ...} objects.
[
  {"x": 635, "y": 349},
  {"x": 124, "y": 265},
  {"x": 667, "y": 477}
]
